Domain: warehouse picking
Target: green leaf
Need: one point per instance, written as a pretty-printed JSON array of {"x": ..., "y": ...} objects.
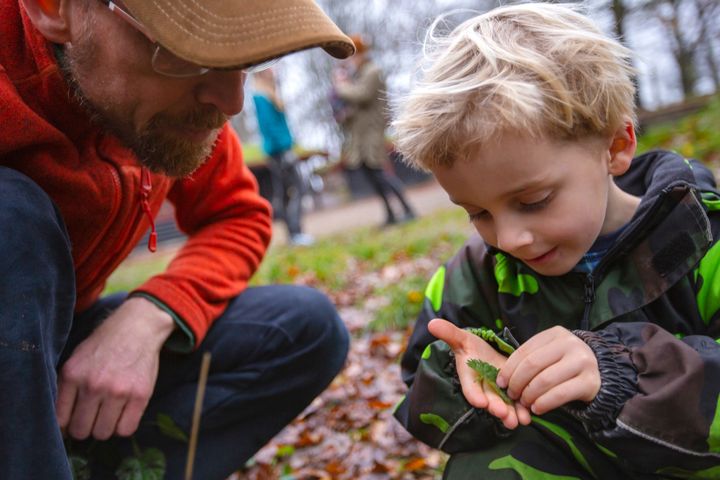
[
  {"x": 169, "y": 428},
  {"x": 80, "y": 467},
  {"x": 149, "y": 465},
  {"x": 285, "y": 451},
  {"x": 488, "y": 373}
]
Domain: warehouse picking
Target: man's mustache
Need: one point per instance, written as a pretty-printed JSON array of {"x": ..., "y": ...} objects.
[{"x": 196, "y": 120}]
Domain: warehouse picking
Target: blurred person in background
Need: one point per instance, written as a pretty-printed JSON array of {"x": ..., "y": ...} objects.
[
  {"x": 360, "y": 108},
  {"x": 277, "y": 143}
]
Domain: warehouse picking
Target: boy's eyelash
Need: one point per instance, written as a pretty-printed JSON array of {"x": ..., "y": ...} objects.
[
  {"x": 476, "y": 216},
  {"x": 536, "y": 205},
  {"x": 527, "y": 207}
]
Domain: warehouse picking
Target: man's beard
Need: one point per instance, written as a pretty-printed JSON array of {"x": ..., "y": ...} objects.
[{"x": 159, "y": 146}]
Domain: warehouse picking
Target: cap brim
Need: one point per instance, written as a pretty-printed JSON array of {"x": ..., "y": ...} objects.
[{"x": 239, "y": 33}]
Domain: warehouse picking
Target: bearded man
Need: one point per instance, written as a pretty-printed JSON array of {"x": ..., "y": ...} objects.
[{"x": 106, "y": 110}]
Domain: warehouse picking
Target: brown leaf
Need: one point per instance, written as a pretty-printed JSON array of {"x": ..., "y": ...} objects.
[
  {"x": 308, "y": 438},
  {"x": 378, "y": 405},
  {"x": 415, "y": 464},
  {"x": 335, "y": 468}
]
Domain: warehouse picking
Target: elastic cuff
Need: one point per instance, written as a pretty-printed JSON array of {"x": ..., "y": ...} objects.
[
  {"x": 181, "y": 340},
  {"x": 618, "y": 378}
]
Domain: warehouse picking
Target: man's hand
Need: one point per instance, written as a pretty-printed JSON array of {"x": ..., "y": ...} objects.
[
  {"x": 105, "y": 385},
  {"x": 466, "y": 345},
  {"x": 551, "y": 369}
]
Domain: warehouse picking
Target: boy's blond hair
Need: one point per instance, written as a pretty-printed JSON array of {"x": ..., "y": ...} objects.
[{"x": 542, "y": 70}]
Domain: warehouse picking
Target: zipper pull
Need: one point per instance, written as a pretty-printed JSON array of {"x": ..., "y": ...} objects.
[
  {"x": 145, "y": 189},
  {"x": 509, "y": 338},
  {"x": 589, "y": 289}
]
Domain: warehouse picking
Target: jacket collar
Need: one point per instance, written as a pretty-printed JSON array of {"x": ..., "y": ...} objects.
[{"x": 668, "y": 235}]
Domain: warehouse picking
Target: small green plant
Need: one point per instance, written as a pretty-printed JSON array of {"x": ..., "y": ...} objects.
[
  {"x": 143, "y": 464},
  {"x": 168, "y": 428},
  {"x": 148, "y": 464},
  {"x": 80, "y": 468},
  {"x": 488, "y": 373}
]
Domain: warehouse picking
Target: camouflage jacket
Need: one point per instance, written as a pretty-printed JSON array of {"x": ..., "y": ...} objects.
[{"x": 650, "y": 311}]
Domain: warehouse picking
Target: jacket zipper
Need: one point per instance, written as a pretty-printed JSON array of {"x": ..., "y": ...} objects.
[
  {"x": 589, "y": 297},
  {"x": 145, "y": 190},
  {"x": 592, "y": 278}
]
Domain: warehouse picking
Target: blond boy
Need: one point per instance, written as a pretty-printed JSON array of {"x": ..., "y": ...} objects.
[{"x": 591, "y": 285}]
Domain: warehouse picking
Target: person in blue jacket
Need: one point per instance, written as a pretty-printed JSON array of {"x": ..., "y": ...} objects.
[{"x": 287, "y": 185}]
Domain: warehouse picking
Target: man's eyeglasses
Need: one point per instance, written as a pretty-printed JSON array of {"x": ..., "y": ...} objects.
[{"x": 167, "y": 63}]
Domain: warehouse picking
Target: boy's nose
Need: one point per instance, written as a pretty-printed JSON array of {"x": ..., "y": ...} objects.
[
  {"x": 224, "y": 90},
  {"x": 512, "y": 237}
]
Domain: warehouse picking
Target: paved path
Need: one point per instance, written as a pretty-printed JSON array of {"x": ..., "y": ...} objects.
[{"x": 425, "y": 198}]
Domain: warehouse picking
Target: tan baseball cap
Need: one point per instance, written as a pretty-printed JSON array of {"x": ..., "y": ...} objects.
[{"x": 239, "y": 33}]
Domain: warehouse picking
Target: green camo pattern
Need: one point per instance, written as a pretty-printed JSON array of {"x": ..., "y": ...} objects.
[{"x": 653, "y": 299}]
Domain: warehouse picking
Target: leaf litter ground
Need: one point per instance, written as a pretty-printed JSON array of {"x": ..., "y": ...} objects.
[{"x": 349, "y": 432}]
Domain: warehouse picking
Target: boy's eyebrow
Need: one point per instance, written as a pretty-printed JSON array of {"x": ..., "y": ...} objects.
[{"x": 527, "y": 185}]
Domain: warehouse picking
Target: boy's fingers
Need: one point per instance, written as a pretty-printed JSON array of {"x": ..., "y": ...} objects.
[
  {"x": 496, "y": 405},
  {"x": 511, "y": 416},
  {"x": 508, "y": 369},
  {"x": 449, "y": 333},
  {"x": 559, "y": 396},
  {"x": 523, "y": 414},
  {"x": 533, "y": 365},
  {"x": 503, "y": 411},
  {"x": 462, "y": 341},
  {"x": 472, "y": 390},
  {"x": 545, "y": 380}
]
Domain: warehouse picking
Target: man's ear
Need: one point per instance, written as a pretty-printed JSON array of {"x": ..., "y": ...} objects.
[
  {"x": 50, "y": 17},
  {"x": 622, "y": 148}
]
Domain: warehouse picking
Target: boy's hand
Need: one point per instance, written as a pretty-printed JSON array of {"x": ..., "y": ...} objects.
[
  {"x": 551, "y": 369},
  {"x": 465, "y": 345}
]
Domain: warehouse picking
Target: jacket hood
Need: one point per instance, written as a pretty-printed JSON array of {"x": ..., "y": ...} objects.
[{"x": 28, "y": 61}]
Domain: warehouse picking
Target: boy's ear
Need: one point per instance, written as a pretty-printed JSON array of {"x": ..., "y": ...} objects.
[
  {"x": 50, "y": 17},
  {"x": 622, "y": 149}
]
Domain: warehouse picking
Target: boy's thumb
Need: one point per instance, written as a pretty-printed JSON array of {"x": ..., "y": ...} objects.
[{"x": 448, "y": 332}]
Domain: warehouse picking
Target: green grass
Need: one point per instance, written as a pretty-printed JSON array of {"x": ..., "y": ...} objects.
[
  {"x": 352, "y": 268},
  {"x": 696, "y": 135},
  {"x": 133, "y": 272},
  {"x": 334, "y": 260}
]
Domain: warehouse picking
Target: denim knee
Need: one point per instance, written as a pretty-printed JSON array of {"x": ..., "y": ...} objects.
[
  {"x": 324, "y": 328},
  {"x": 38, "y": 280},
  {"x": 34, "y": 219}
]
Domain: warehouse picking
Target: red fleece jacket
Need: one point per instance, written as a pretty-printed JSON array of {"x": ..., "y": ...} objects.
[{"x": 95, "y": 182}]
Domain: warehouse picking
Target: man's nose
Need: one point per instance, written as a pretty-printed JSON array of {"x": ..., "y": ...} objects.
[
  {"x": 512, "y": 235},
  {"x": 223, "y": 89}
]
